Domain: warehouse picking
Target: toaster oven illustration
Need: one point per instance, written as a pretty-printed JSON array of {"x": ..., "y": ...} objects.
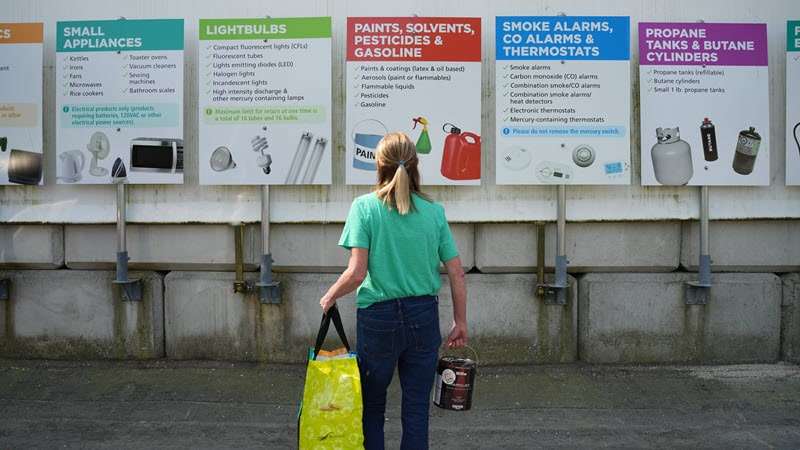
[{"x": 162, "y": 155}]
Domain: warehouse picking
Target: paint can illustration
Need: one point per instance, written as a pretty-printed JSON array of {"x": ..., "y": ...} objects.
[
  {"x": 746, "y": 151},
  {"x": 672, "y": 158},
  {"x": 709, "y": 137},
  {"x": 455, "y": 382},
  {"x": 366, "y": 135}
]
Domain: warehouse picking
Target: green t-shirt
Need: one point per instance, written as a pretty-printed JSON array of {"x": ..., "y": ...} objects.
[{"x": 404, "y": 251}]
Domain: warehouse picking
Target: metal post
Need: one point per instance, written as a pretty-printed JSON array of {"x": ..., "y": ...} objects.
[
  {"x": 705, "y": 255},
  {"x": 269, "y": 290},
  {"x": 556, "y": 293},
  {"x": 240, "y": 285},
  {"x": 540, "y": 260},
  {"x": 697, "y": 292},
  {"x": 131, "y": 289},
  {"x": 561, "y": 224}
]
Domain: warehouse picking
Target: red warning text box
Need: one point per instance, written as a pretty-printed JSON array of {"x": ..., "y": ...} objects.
[{"x": 456, "y": 39}]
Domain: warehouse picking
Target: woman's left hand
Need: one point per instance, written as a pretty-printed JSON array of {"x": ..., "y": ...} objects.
[{"x": 326, "y": 303}]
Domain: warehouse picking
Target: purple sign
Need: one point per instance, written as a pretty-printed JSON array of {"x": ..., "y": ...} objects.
[{"x": 702, "y": 44}]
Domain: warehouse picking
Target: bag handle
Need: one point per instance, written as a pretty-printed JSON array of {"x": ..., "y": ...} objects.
[{"x": 331, "y": 315}]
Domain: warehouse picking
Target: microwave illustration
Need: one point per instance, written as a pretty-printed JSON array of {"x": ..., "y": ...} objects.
[{"x": 162, "y": 155}]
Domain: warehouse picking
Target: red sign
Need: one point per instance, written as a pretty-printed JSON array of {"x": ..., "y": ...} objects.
[{"x": 456, "y": 39}]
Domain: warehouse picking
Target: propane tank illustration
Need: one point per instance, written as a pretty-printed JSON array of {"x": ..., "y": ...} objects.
[
  {"x": 709, "y": 137},
  {"x": 424, "y": 140},
  {"x": 746, "y": 151},
  {"x": 672, "y": 158},
  {"x": 461, "y": 159}
]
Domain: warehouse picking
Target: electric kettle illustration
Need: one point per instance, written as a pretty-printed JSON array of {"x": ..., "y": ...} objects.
[
  {"x": 71, "y": 165},
  {"x": 461, "y": 159}
]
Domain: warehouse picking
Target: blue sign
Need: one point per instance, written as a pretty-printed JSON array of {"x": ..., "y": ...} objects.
[{"x": 562, "y": 38}]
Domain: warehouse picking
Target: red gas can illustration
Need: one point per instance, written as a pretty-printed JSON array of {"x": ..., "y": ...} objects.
[{"x": 462, "y": 154}]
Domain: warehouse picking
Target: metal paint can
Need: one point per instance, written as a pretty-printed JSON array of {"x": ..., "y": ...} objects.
[
  {"x": 455, "y": 383},
  {"x": 746, "y": 151},
  {"x": 709, "y": 137}
]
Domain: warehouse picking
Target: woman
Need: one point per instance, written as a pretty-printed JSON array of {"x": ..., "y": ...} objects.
[{"x": 397, "y": 238}]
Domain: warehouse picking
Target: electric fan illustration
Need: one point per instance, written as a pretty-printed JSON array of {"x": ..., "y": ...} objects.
[{"x": 100, "y": 148}]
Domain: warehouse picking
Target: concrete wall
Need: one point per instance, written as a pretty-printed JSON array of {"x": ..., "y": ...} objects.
[
  {"x": 175, "y": 247},
  {"x": 626, "y": 304},
  {"x": 633, "y": 318},
  {"x": 74, "y": 314},
  {"x": 745, "y": 246},
  {"x": 205, "y": 319},
  {"x": 790, "y": 320}
]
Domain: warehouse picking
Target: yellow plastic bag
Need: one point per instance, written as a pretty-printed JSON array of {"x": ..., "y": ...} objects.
[{"x": 330, "y": 414}]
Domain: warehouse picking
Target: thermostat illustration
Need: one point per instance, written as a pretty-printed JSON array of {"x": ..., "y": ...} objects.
[{"x": 553, "y": 173}]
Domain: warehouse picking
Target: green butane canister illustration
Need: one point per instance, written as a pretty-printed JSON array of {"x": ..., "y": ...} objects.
[{"x": 746, "y": 151}]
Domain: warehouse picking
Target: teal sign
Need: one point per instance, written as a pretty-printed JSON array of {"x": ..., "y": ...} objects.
[
  {"x": 119, "y": 35},
  {"x": 793, "y": 36}
]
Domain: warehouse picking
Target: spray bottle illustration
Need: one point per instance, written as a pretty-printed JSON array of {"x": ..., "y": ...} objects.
[
  {"x": 424, "y": 140},
  {"x": 796, "y": 139},
  {"x": 709, "y": 137}
]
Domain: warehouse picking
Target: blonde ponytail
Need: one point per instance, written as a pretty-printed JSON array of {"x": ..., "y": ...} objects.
[{"x": 398, "y": 176}]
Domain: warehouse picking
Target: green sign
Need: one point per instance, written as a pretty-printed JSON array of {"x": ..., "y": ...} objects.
[
  {"x": 793, "y": 36},
  {"x": 119, "y": 35},
  {"x": 252, "y": 29}
]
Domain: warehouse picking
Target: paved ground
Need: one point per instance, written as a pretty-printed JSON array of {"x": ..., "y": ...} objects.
[{"x": 218, "y": 405}]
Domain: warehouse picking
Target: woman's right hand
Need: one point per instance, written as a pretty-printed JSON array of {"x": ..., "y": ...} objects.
[{"x": 458, "y": 336}]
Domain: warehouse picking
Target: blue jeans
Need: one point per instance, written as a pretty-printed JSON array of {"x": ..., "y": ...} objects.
[{"x": 403, "y": 334}]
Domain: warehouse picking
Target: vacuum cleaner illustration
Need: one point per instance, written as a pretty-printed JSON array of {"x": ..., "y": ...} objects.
[
  {"x": 461, "y": 159},
  {"x": 672, "y": 158}
]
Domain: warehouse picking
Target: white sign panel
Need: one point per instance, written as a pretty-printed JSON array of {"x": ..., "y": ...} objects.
[
  {"x": 21, "y": 103},
  {"x": 119, "y": 91},
  {"x": 265, "y": 101},
  {"x": 704, "y": 91},
  {"x": 562, "y": 93},
  {"x": 420, "y": 76},
  {"x": 793, "y": 103}
]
